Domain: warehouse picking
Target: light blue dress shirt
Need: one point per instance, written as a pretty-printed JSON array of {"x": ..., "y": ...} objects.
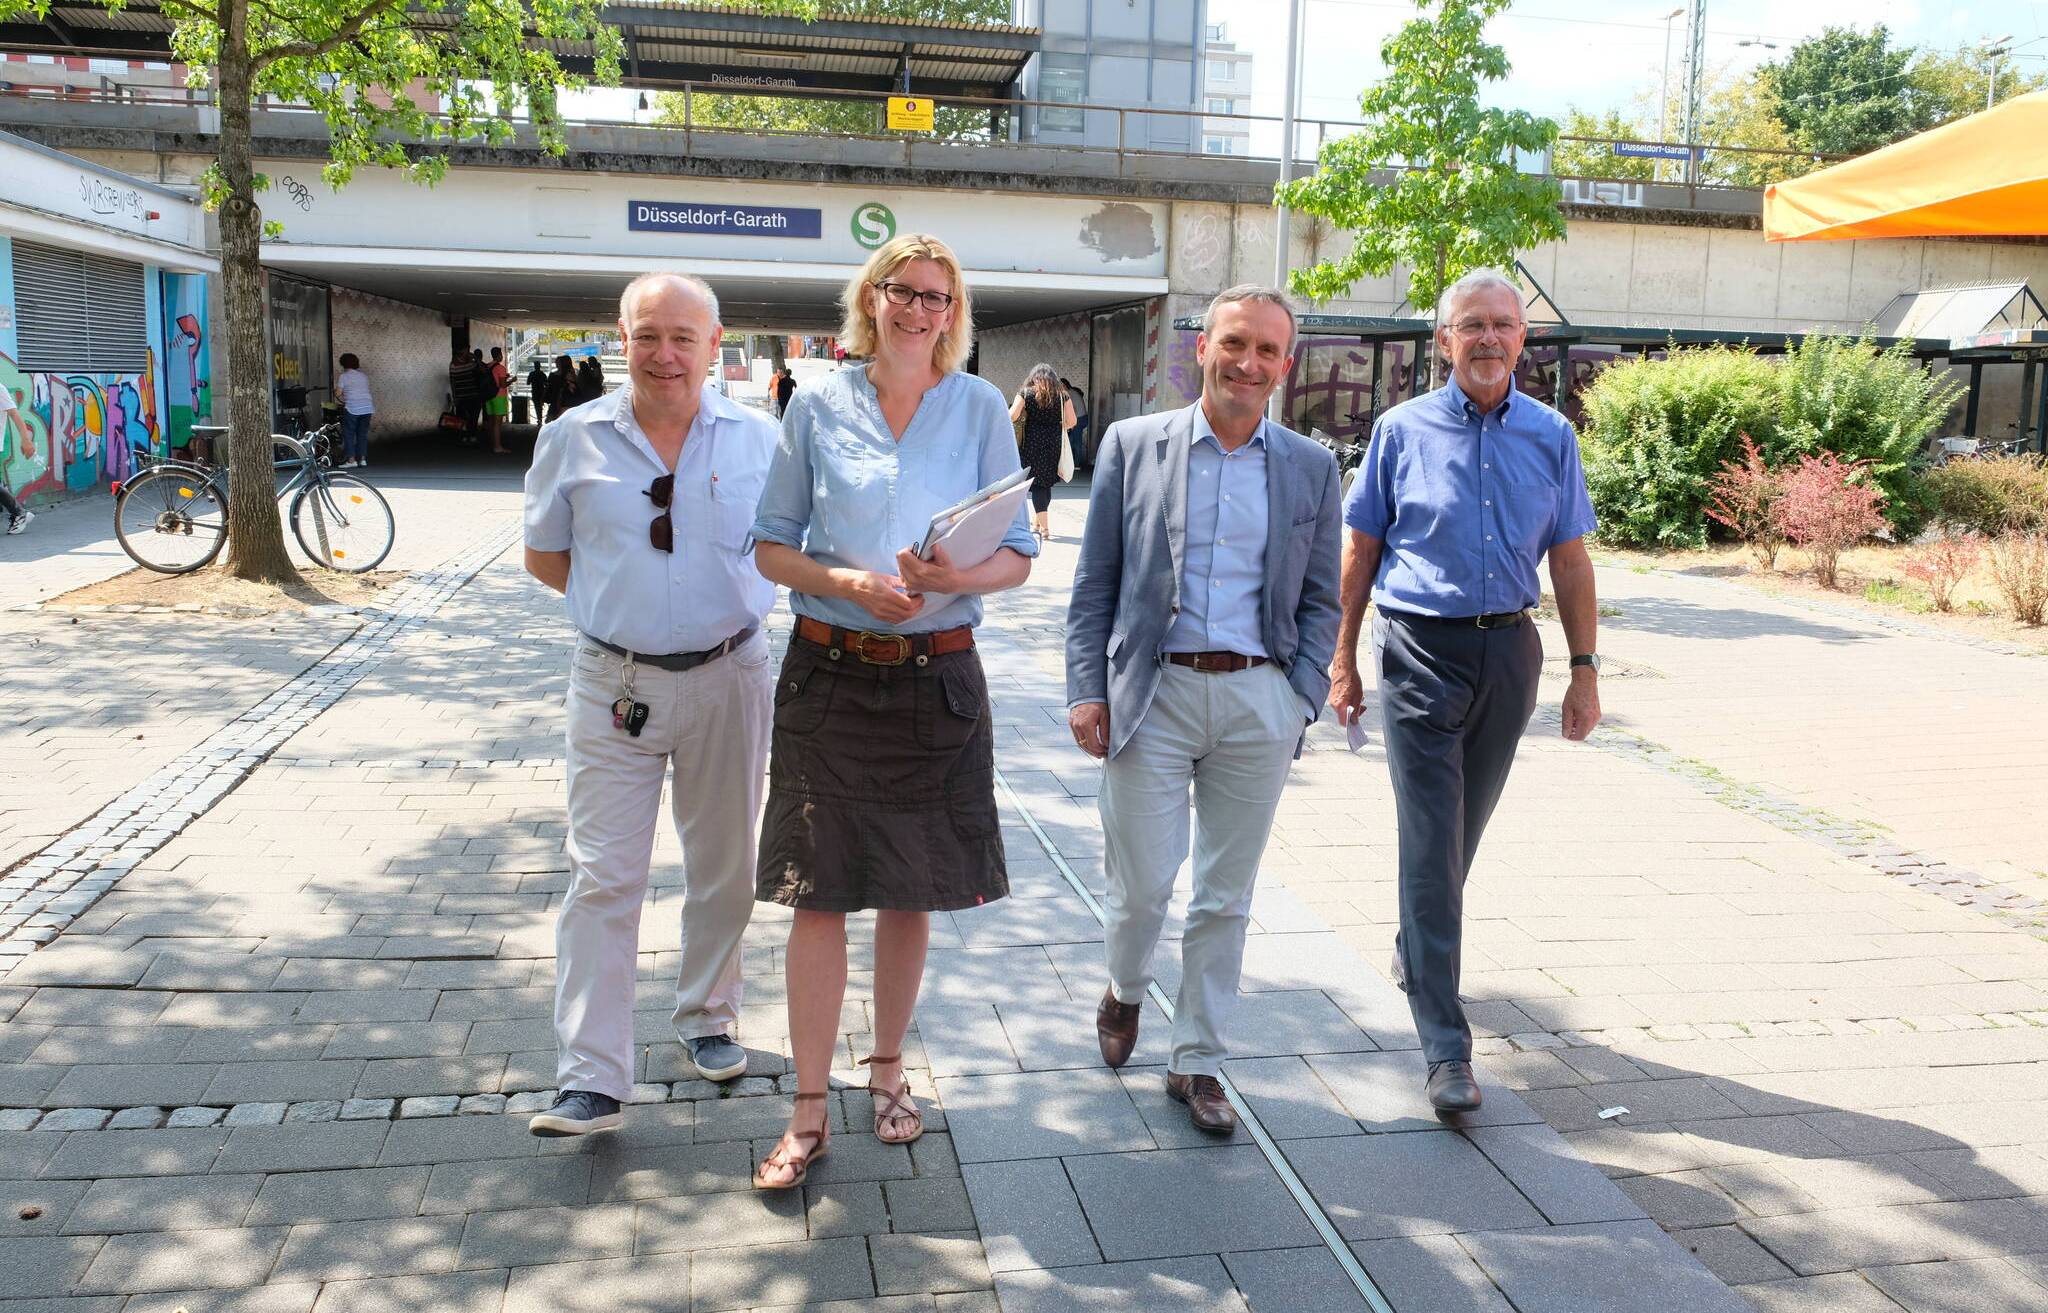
[
  {"x": 1223, "y": 566},
  {"x": 586, "y": 495},
  {"x": 845, "y": 492},
  {"x": 1467, "y": 504}
]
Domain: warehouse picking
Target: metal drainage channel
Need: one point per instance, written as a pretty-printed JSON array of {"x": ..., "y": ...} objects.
[{"x": 1332, "y": 1241}]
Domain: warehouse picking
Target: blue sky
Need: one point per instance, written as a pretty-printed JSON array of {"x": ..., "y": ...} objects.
[{"x": 1600, "y": 55}]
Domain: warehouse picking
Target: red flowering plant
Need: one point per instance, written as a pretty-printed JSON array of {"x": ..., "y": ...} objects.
[
  {"x": 1743, "y": 495},
  {"x": 1943, "y": 562},
  {"x": 1825, "y": 510}
]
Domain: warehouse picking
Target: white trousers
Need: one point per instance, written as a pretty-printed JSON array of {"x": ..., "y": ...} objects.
[
  {"x": 1228, "y": 738},
  {"x": 711, "y": 725}
]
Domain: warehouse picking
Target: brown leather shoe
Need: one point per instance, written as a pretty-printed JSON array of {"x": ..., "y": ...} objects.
[
  {"x": 1208, "y": 1108},
  {"x": 1116, "y": 1027},
  {"x": 1452, "y": 1088}
]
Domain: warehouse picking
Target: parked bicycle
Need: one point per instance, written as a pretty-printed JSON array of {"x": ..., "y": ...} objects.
[{"x": 172, "y": 517}]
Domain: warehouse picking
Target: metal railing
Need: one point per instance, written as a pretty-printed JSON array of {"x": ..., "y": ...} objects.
[{"x": 1125, "y": 132}]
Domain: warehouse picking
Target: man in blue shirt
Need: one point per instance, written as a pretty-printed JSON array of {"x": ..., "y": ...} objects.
[
  {"x": 638, "y": 507},
  {"x": 1198, "y": 645},
  {"x": 1463, "y": 491}
]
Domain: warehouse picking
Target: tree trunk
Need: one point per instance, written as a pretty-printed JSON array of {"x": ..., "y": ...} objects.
[{"x": 255, "y": 534}]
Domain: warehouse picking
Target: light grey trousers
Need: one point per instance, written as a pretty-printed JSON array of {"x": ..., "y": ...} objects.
[
  {"x": 1454, "y": 701},
  {"x": 711, "y": 725},
  {"x": 1226, "y": 740}
]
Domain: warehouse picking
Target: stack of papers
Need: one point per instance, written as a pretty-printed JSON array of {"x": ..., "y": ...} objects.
[{"x": 974, "y": 528}]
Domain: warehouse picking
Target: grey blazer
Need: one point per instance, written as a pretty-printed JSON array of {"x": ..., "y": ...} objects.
[{"x": 1127, "y": 588}]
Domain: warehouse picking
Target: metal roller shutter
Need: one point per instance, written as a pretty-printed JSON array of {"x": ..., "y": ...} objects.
[{"x": 79, "y": 313}]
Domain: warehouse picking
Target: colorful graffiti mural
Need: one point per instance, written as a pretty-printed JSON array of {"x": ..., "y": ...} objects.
[
  {"x": 83, "y": 428},
  {"x": 188, "y": 369}
]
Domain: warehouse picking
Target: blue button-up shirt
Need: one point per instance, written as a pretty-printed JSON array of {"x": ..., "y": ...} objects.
[
  {"x": 1467, "y": 504},
  {"x": 1223, "y": 565},
  {"x": 845, "y": 492},
  {"x": 586, "y": 495}
]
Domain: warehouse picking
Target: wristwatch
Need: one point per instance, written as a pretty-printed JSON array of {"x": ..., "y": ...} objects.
[{"x": 1587, "y": 659}]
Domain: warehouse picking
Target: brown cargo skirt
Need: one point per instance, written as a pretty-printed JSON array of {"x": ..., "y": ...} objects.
[{"x": 881, "y": 786}]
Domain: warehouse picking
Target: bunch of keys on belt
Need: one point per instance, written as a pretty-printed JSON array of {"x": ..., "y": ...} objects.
[{"x": 628, "y": 713}]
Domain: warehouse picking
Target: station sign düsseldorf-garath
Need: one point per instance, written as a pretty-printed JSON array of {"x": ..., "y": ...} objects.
[{"x": 724, "y": 220}]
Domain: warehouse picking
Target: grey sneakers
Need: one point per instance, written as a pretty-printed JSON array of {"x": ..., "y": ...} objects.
[
  {"x": 717, "y": 1057},
  {"x": 577, "y": 1112},
  {"x": 20, "y": 522}
]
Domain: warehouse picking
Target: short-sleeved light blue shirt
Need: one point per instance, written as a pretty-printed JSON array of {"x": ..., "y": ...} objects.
[
  {"x": 1467, "y": 504},
  {"x": 845, "y": 492},
  {"x": 1224, "y": 561},
  {"x": 586, "y": 495}
]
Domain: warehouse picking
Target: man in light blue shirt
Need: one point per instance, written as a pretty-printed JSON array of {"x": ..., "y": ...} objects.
[
  {"x": 1198, "y": 642},
  {"x": 638, "y": 507},
  {"x": 1463, "y": 492}
]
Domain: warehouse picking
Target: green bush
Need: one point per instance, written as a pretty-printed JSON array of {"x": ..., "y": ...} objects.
[
  {"x": 1991, "y": 495},
  {"x": 1657, "y": 431}
]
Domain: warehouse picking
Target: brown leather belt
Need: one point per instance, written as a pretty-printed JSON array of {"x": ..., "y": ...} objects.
[
  {"x": 883, "y": 649},
  {"x": 1215, "y": 663}
]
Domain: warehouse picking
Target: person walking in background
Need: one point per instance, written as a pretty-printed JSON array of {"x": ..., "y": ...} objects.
[
  {"x": 1198, "y": 643},
  {"x": 1078, "y": 437},
  {"x": 589, "y": 380},
  {"x": 537, "y": 389},
  {"x": 1047, "y": 415},
  {"x": 785, "y": 388},
  {"x": 562, "y": 387},
  {"x": 881, "y": 780},
  {"x": 18, "y": 516},
  {"x": 464, "y": 391},
  {"x": 1463, "y": 491},
  {"x": 498, "y": 404},
  {"x": 672, "y": 673},
  {"x": 352, "y": 389}
]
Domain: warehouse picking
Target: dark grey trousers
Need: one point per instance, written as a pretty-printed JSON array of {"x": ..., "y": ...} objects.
[{"x": 1454, "y": 701}]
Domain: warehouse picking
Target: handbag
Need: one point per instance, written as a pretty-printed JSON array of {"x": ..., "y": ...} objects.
[
  {"x": 1066, "y": 469},
  {"x": 452, "y": 422}
]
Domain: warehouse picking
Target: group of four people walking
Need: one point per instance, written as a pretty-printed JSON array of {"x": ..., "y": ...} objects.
[{"x": 1203, "y": 632}]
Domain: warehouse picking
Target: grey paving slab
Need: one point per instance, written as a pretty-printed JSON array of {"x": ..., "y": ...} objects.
[
  {"x": 751, "y": 1217},
  {"x": 769, "y": 1274},
  {"x": 1429, "y": 1274},
  {"x": 1836, "y": 1241},
  {"x": 1560, "y": 1183},
  {"x": 1294, "y": 1281},
  {"x": 851, "y": 1208},
  {"x": 854, "y": 1156},
  {"x": 1196, "y": 1285},
  {"x": 130, "y": 1084},
  {"x": 302, "y": 1146},
  {"x": 1242, "y": 1203},
  {"x": 239, "y": 1044},
  {"x": 99, "y": 1044},
  {"x": 1385, "y": 1185},
  {"x": 397, "y": 1039},
  {"x": 45, "y": 1266},
  {"x": 1290, "y": 1100},
  {"x": 933, "y": 1204},
  {"x": 928, "y": 1264},
  {"x": 340, "y": 1196},
  {"x": 399, "y": 1078},
  {"x": 282, "y": 1082},
  {"x": 1040, "y": 1114},
  {"x": 1731, "y": 1254},
  {"x": 546, "y": 1235},
  {"x": 507, "y": 1183},
  {"x": 450, "y": 1139},
  {"x": 655, "y": 1284},
  {"x": 200, "y": 1260},
  {"x": 38, "y": 1207},
  {"x": 168, "y": 1152},
  {"x": 24, "y": 1153},
  {"x": 1599, "y": 1267},
  {"x": 1384, "y": 1091},
  {"x": 1841, "y": 1292},
  {"x": 1029, "y": 1215},
  {"x": 449, "y": 1292},
  {"x": 345, "y": 1251},
  {"x": 164, "y": 1203},
  {"x": 672, "y": 1169}
]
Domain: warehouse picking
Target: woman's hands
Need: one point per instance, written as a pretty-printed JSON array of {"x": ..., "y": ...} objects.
[
  {"x": 882, "y": 596},
  {"x": 934, "y": 576}
]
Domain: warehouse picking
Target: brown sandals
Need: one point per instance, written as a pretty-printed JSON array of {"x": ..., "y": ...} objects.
[
  {"x": 899, "y": 1105},
  {"x": 780, "y": 1157}
]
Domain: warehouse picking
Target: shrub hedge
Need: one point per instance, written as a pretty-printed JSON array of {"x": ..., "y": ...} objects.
[{"x": 1991, "y": 495}]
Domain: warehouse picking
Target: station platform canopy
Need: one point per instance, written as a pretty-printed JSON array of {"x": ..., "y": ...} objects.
[
  {"x": 1981, "y": 176},
  {"x": 736, "y": 48}
]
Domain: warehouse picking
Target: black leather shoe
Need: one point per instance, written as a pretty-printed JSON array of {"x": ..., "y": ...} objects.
[
  {"x": 1208, "y": 1107},
  {"x": 1452, "y": 1087},
  {"x": 1116, "y": 1029}
]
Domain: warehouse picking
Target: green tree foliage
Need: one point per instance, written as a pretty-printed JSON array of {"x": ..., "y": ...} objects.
[
  {"x": 1952, "y": 84},
  {"x": 1456, "y": 201},
  {"x": 1658, "y": 431},
  {"x": 1847, "y": 92},
  {"x": 1595, "y": 158}
]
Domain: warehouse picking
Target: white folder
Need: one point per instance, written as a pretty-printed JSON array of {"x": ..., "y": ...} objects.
[{"x": 974, "y": 528}]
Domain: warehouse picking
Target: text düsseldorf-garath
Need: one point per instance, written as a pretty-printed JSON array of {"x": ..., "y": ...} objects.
[{"x": 741, "y": 220}]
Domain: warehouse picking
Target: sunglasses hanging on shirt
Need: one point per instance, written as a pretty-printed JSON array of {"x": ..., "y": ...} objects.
[{"x": 662, "y": 532}]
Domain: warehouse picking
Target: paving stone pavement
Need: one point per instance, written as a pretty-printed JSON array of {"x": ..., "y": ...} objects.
[{"x": 285, "y": 1062}]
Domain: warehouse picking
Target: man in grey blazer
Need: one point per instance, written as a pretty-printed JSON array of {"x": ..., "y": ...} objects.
[{"x": 1199, "y": 640}]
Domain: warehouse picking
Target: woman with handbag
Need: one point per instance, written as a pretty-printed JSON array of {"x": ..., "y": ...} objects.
[{"x": 1046, "y": 413}]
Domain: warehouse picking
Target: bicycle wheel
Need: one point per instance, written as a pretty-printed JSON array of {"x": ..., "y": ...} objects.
[
  {"x": 343, "y": 523},
  {"x": 171, "y": 519}
]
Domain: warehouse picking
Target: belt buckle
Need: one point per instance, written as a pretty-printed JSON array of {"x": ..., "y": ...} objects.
[
  {"x": 1488, "y": 622},
  {"x": 1212, "y": 663},
  {"x": 864, "y": 637}
]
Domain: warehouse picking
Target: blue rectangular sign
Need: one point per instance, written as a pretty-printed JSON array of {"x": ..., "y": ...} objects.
[
  {"x": 1644, "y": 150},
  {"x": 724, "y": 220}
]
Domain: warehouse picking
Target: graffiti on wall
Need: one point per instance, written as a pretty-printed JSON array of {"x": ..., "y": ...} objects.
[
  {"x": 82, "y": 428},
  {"x": 188, "y": 361}
]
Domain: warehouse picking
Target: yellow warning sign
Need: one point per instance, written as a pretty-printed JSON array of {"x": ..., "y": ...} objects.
[{"x": 910, "y": 114}]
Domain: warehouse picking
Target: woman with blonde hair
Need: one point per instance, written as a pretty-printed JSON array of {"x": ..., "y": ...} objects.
[
  {"x": 881, "y": 786},
  {"x": 1047, "y": 413}
]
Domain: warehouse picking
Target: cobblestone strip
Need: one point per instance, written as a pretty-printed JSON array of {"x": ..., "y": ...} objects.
[
  {"x": 47, "y": 891},
  {"x": 1687, "y": 1032},
  {"x": 1857, "y": 841}
]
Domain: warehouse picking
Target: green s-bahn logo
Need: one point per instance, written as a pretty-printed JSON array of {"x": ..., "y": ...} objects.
[{"x": 873, "y": 225}]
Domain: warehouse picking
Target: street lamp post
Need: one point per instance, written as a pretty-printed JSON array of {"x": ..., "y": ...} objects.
[{"x": 1996, "y": 48}]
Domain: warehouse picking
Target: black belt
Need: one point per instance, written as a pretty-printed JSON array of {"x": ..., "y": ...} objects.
[
  {"x": 1494, "y": 620},
  {"x": 678, "y": 660}
]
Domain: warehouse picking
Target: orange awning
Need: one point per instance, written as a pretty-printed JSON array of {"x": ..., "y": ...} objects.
[{"x": 1983, "y": 176}]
